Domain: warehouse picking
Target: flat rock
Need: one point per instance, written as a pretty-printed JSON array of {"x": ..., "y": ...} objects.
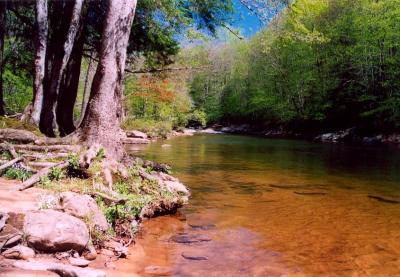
[
  {"x": 136, "y": 134},
  {"x": 83, "y": 207},
  {"x": 54, "y": 231},
  {"x": 61, "y": 269},
  {"x": 19, "y": 252},
  {"x": 202, "y": 226},
  {"x": 189, "y": 238},
  {"x": 78, "y": 262}
]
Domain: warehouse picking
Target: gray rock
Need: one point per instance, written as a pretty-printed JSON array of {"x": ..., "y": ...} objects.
[
  {"x": 189, "y": 238},
  {"x": 82, "y": 206},
  {"x": 54, "y": 231},
  {"x": 136, "y": 134},
  {"x": 19, "y": 252}
]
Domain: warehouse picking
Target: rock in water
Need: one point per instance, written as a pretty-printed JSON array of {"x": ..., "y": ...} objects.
[
  {"x": 187, "y": 238},
  {"x": 136, "y": 134},
  {"x": 19, "y": 252},
  {"x": 54, "y": 231},
  {"x": 192, "y": 257},
  {"x": 83, "y": 206}
]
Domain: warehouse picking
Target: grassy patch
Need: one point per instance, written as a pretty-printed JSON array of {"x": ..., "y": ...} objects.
[
  {"x": 151, "y": 127},
  {"x": 13, "y": 123}
]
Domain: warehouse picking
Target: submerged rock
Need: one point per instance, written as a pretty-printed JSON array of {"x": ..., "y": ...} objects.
[
  {"x": 310, "y": 193},
  {"x": 189, "y": 238},
  {"x": 189, "y": 256},
  {"x": 202, "y": 226},
  {"x": 157, "y": 270},
  {"x": 19, "y": 252},
  {"x": 84, "y": 207},
  {"x": 54, "y": 231},
  {"x": 383, "y": 199}
]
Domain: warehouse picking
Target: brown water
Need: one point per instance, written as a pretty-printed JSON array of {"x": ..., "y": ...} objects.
[{"x": 276, "y": 208}]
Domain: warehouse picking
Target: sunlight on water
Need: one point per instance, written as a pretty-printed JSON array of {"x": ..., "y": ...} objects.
[{"x": 266, "y": 207}]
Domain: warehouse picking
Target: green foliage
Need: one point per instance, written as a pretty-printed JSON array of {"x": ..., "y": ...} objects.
[
  {"x": 151, "y": 127},
  {"x": 17, "y": 174},
  {"x": 73, "y": 160},
  {"x": 45, "y": 182},
  {"x": 320, "y": 64},
  {"x": 56, "y": 174},
  {"x": 101, "y": 154}
]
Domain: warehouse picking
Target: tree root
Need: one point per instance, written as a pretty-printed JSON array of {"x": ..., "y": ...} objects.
[
  {"x": 10, "y": 163},
  {"x": 44, "y": 172},
  {"x": 45, "y": 148}
]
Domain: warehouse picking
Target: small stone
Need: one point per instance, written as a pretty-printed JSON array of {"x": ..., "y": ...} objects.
[
  {"x": 19, "y": 252},
  {"x": 78, "y": 262}
]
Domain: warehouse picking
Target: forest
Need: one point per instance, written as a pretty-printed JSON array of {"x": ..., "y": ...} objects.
[{"x": 318, "y": 66}]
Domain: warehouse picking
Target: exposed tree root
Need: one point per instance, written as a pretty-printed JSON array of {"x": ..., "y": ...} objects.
[
  {"x": 31, "y": 147},
  {"x": 44, "y": 172},
  {"x": 10, "y": 163}
]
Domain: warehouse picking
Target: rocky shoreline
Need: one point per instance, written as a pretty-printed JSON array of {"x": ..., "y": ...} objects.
[
  {"x": 349, "y": 136},
  {"x": 75, "y": 226}
]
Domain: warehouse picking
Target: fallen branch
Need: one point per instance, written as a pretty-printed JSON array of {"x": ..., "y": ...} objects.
[
  {"x": 10, "y": 163},
  {"x": 44, "y": 172},
  {"x": 36, "y": 156}
]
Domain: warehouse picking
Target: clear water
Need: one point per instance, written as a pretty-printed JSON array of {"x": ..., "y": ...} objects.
[{"x": 276, "y": 208}]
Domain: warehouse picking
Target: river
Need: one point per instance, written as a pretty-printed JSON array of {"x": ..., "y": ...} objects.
[{"x": 268, "y": 207}]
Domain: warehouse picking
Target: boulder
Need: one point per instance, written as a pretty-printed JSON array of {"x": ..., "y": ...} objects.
[
  {"x": 84, "y": 207},
  {"x": 54, "y": 231},
  {"x": 9, "y": 236},
  {"x": 19, "y": 252}
]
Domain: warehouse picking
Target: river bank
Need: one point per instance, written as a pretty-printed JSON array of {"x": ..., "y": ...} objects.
[
  {"x": 351, "y": 136},
  {"x": 67, "y": 218}
]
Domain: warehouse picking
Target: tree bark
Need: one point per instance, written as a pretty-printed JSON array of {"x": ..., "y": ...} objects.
[
  {"x": 3, "y": 7},
  {"x": 58, "y": 67},
  {"x": 40, "y": 59},
  {"x": 69, "y": 87},
  {"x": 101, "y": 123}
]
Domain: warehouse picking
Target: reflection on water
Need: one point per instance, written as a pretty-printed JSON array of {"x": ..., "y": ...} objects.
[{"x": 276, "y": 208}]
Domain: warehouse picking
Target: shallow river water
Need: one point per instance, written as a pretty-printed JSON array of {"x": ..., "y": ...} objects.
[{"x": 267, "y": 207}]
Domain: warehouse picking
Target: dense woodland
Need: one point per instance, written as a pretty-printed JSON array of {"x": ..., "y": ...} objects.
[{"x": 320, "y": 65}]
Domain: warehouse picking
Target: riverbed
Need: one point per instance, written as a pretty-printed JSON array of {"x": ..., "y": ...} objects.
[{"x": 268, "y": 207}]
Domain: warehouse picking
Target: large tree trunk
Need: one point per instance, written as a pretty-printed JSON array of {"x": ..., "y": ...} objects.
[
  {"x": 101, "y": 123},
  {"x": 2, "y": 35},
  {"x": 59, "y": 63},
  {"x": 69, "y": 87},
  {"x": 40, "y": 59}
]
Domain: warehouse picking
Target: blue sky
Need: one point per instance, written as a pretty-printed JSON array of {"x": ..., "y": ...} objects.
[{"x": 245, "y": 21}]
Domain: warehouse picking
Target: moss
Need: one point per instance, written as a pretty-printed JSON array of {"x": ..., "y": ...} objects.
[{"x": 13, "y": 123}]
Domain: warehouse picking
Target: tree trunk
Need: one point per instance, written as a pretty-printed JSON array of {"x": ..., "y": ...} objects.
[
  {"x": 3, "y": 7},
  {"x": 69, "y": 87},
  {"x": 101, "y": 123},
  {"x": 85, "y": 96},
  {"x": 40, "y": 59},
  {"x": 57, "y": 70}
]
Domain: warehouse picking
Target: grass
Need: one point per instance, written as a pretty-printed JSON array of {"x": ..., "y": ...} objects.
[{"x": 14, "y": 123}]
